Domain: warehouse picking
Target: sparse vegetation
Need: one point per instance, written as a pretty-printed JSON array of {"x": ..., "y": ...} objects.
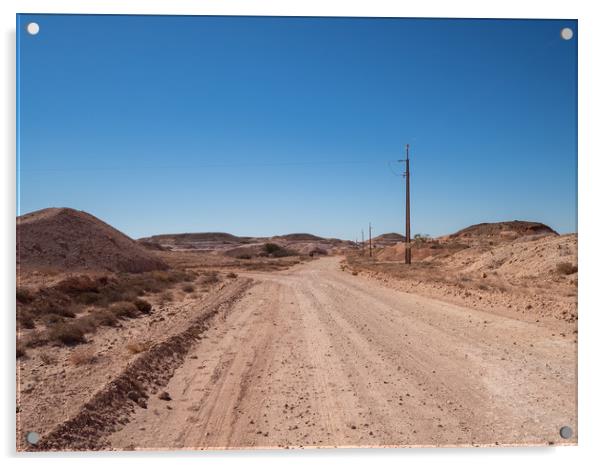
[
  {"x": 143, "y": 306},
  {"x": 48, "y": 359},
  {"x": 20, "y": 350},
  {"x": 67, "y": 333},
  {"x": 231, "y": 275},
  {"x": 124, "y": 309},
  {"x": 566, "y": 268},
  {"x": 275, "y": 250},
  {"x": 107, "y": 298},
  {"x": 138, "y": 347},
  {"x": 24, "y": 295},
  {"x": 188, "y": 288},
  {"x": 210, "y": 277},
  {"x": 82, "y": 356},
  {"x": 166, "y": 297}
]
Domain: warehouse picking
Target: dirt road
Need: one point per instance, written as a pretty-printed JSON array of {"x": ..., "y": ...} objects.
[{"x": 315, "y": 356}]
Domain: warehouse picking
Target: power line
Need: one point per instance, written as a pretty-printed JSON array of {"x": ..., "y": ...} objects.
[{"x": 208, "y": 165}]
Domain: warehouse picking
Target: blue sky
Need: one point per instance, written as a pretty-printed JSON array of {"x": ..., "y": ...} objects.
[{"x": 262, "y": 126}]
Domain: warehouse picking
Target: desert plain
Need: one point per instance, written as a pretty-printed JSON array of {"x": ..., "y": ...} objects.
[{"x": 215, "y": 341}]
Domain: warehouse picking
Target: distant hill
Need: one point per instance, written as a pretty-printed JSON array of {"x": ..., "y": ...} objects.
[
  {"x": 65, "y": 238},
  {"x": 299, "y": 237},
  {"x": 510, "y": 230},
  {"x": 303, "y": 243},
  {"x": 388, "y": 239}
]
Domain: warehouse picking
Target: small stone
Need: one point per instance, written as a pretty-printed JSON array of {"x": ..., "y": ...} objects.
[{"x": 164, "y": 396}]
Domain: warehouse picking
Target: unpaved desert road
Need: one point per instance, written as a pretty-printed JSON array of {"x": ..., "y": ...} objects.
[{"x": 317, "y": 357}]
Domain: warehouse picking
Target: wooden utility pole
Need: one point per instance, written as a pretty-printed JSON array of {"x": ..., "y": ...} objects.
[
  {"x": 363, "y": 242},
  {"x": 370, "y": 237},
  {"x": 408, "y": 253}
]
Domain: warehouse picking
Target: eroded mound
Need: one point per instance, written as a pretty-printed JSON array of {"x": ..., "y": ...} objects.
[
  {"x": 511, "y": 230},
  {"x": 62, "y": 238}
]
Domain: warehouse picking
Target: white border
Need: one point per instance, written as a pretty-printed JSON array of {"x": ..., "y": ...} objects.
[{"x": 590, "y": 260}]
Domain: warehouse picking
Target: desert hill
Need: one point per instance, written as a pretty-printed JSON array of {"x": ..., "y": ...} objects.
[
  {"x": 475, "y": 239},
  {"x": 64, "y": 238},
  {"x": 388, "y": 239},
  {"x": 504, "y": 230},
  {"x": 234, "y": 246},
  {"x": 298, "y": 237}
]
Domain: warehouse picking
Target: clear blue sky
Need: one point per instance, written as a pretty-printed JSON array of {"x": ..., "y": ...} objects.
[{"x": 262, "y": 126}]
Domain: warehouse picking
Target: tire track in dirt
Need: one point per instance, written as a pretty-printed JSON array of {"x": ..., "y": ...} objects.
[
  {"x": 113, "y": 405},
  {"x": 317, "y": 357}
]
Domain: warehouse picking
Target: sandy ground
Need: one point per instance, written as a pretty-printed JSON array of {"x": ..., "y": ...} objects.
[{"x": 315, "y": 356}]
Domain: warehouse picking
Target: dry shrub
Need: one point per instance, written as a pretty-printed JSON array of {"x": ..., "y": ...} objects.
[
  {"x": 138, "y": 347},
  {"x": 24, "y": 295},
  {"x": 124, "y": 309},
  {"x": 82, "y": 356},
  {"x": 106, "y": 318},
  {"x": 166, "y": 297},
  {"x": 20, "y": 350},
  {"x": 25, "y": 318},
  {"x": 143, "y": 306},
  {"x": 48, "y": 359},
  {"x": 231, "y": 275},
  {"x": 210, "y": 278},
  {"x": 354, "y": 272},
  {"x": 77, "y": 284},
  {"x": 68, "y": 334},
  {"x": 188, "y": 288},
  {"x": 275, "y": 250},
  {"x": 566, "y": 268}
]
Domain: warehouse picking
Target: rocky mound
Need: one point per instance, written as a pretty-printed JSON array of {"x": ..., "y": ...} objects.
[
  {"x": 528, "y": 257},
  {"x": 65, "y": 238},
  {"x": 509, "y": 230}
]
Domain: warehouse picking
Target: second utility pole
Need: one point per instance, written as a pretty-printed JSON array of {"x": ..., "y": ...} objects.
[
  {"x": 408, "y": 251},
  {"x": 370, "y": 237}
]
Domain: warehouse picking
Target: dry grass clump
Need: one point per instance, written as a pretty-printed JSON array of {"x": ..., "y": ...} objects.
[
  {"x": 166, "y": 297},
  {"x": 105, "y": 318},
  {"x": 566, "y": 268},
  {"x": 210, "y": 277},
  {"x": 143, "y": 306},
  {"x": 188, "y": 288},
  {"x": 275, "y": 250},
  {"x": 21, "y": 350},
  {"x": 48, "y": 359},
  {"x": 55, "y": 309},
  {"x": 24, "y": 295},
  {"x": 123, "y": 309},
  {"x": 231, "y": 275},
  {"x": 67, "y": 333},
  {"x": 138, "y": 347},
  {"x": 81, "y": 356}
]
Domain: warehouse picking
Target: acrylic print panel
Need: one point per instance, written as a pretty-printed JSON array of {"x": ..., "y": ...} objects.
[{"x": 263, "y": 232}]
